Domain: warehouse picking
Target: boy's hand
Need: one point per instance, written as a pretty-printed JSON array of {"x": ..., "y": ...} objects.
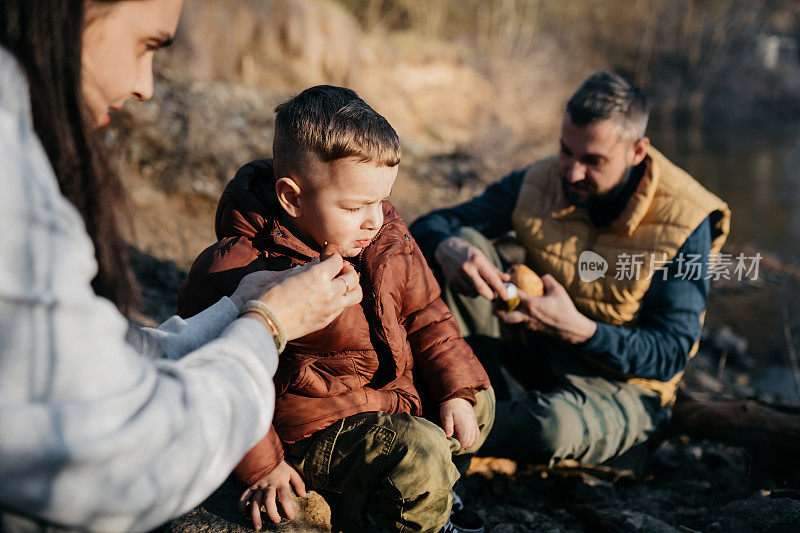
[
  {"x": 276, "y": 484},
  {"x": 458, "y": 417}
]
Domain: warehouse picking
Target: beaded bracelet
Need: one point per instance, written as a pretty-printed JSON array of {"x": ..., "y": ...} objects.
[{"x": 278, "y": 333}]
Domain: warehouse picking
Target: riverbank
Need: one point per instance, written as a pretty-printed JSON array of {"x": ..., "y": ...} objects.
[{"x": 677, "y": 484}]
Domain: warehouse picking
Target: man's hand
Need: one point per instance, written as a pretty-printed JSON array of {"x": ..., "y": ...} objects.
[
  {"x": 469, "y": 271},
  {"x": 276, "y": 484},
  {"x": 458, "y": 418},
  {"x": 552, "y": 313}
]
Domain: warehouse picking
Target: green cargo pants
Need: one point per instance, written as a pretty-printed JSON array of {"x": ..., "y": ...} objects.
[
  {"x": 550, "y": 406},
  {"x": 11, "y": 522},
  {"x": 407, "y": 459}
]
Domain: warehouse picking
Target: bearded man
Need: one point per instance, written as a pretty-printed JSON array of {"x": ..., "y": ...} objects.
[{"x": 623, "y": 240}]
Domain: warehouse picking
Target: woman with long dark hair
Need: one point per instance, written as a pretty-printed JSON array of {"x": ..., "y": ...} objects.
[{"x": 92, "y": 434}]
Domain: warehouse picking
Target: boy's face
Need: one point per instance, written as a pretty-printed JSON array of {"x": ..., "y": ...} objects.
[{"x": 347, "y": 209}]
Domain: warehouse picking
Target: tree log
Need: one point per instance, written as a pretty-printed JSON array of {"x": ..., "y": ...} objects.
[{"x": 760, "y": 428}]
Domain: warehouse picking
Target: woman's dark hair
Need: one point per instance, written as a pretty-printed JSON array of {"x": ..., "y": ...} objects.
[{"x": 46, "y": 38}]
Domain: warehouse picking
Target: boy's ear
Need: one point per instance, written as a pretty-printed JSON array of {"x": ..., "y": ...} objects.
[{"x": 288, "y": 193}]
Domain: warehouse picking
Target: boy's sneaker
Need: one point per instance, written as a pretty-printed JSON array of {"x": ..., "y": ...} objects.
[
  {"x": 458, "y": 503},
  {"x": 463, "y": 520}
]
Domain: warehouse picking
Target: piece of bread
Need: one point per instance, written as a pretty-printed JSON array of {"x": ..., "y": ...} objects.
[{"x": 526, "y": 280}]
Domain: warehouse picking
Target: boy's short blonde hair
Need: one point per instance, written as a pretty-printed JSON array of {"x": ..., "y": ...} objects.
[{"x": 331, "y": 123}]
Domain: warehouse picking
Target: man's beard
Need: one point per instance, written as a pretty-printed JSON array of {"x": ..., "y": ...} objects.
[
  {"x": 589, "y": 201},
  {"x": 594, "y": 202}
]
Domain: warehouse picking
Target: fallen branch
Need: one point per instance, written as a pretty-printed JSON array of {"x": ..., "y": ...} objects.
[
  {"x": 787, "y": 332},
  {"x": 768, "y": 431}
]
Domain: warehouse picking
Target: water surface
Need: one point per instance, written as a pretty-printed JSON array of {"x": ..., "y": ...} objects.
[{"x": 755, "y": 168}]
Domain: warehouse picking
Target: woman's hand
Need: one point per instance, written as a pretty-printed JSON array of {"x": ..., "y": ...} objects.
[
  {"x": 458, "y": 418},
  {"x": 254, "y": 285},
  {"x": 307, "y": 298},
  {"x": 277, "y": 485}
]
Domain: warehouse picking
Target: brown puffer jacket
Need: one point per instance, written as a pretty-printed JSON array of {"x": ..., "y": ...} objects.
[{"x": 399, "y": 346}]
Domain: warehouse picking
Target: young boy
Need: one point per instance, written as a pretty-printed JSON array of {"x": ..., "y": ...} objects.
[{"x": 350, "y": 397}]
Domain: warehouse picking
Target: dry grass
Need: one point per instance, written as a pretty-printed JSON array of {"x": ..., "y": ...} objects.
[
  {"x": 475, "y": 88},
  {"x": 442, "y": 93},
  {"x": 279, "y": 44}
]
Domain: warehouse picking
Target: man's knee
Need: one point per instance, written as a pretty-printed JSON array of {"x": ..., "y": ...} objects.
[
  {"x": 563, "y": 426},
  {"x": 537, "y": 430},
  {"x": 472, "y": 236},
  {"x": 562, "y": 432}
]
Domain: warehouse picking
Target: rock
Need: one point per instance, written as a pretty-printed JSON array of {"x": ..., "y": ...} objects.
[
  {"x": 622, "y": 520},
  {"x": 159, "y": 281},
  {"x": 688, "y": 485},
  {"x": 593, "y": 490},
  {"x": 505, "y": 528},
  {"x": 792, "y": 494},
  {"x": 758, "y": 514},
  {"x": 666, "y": 455},
  {"x": 722, "y": 339},
  {"x": 698, "y": 379},
  {"x": 692, "y": 519},
  {"x": 530, "y": 519},
  {"x": 219, "y": 514},
  {"x": 633, "y": 521},
  {"x": 512, "y": 519}
]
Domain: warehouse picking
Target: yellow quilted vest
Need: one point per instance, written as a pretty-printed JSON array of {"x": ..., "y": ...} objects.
[{"x": 665, "y": 209}]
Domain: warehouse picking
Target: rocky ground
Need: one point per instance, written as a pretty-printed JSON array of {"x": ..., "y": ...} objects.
[
  {"x": 682, "y": 486},
  {"x": 677, "y": 484}
]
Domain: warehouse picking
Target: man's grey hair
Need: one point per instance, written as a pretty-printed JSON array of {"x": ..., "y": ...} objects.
[{"x": 605, "y": 95}]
